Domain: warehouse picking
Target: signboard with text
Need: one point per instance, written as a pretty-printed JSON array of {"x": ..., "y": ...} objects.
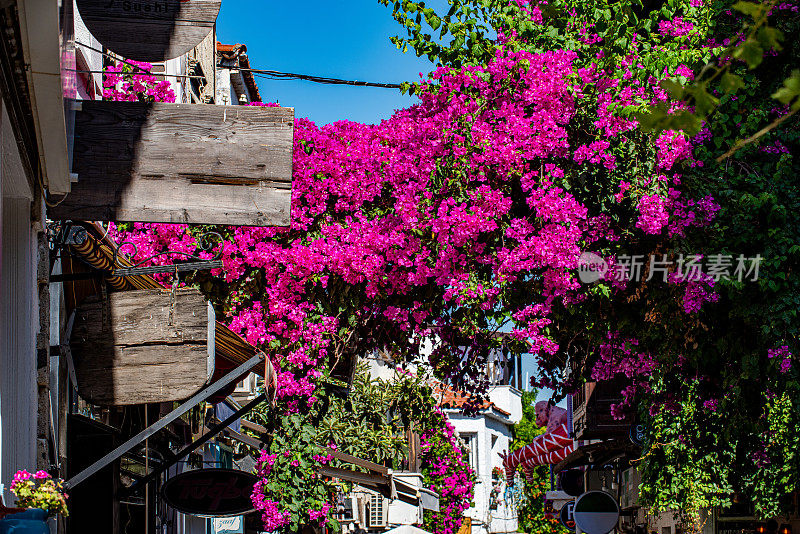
[
  {"x": 229, "y": 525},
  {"x": 210, "y": 492},
  {"x": 566, "y": 516},
  {"x": 149, "y": 30}
]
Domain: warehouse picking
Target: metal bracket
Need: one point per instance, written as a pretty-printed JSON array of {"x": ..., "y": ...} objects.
[
  {"x": 205, "y": 393},
  {"x": 67, "y": 351},
  {"x": 205, "y": 241},
  {"x": 77, "y": 235},
  {"x": 188, "y": 449}
]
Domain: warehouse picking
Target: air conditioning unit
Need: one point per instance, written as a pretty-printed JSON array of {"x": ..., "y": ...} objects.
[{"x": 377, "y": 511}]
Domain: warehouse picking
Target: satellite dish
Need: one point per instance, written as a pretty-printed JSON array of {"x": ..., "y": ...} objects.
[{"x": 596, "y": 512}]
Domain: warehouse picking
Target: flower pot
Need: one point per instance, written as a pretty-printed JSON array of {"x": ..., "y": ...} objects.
[{"x": 31, "y": 521}]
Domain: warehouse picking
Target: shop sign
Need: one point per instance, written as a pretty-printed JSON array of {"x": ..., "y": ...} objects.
[
  {"x": 210, "y": 492},
  {"x": 571, "y": 482},
  {"x": 229, "y": 525},
  {"x": 180, "y": 163},
  {"x": 149, "y": 30},
  {"x": 596, "y": 512},
  {"x": 637, "y": 434},
  {"x": 566, "y": 516}
]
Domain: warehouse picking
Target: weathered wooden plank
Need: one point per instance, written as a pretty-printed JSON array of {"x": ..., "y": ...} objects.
[
  {"x": 149, "y": 30},
  {"x": 143, "y": 317},
  {"x": 143, "y": 346},
  {"x": 181, "y": 163}
]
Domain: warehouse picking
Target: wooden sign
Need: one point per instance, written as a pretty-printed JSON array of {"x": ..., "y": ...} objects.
[
  {"x": 144, "y": 346},
  {"x": 181, "y": 163},
  {"x": 210, "y": 492},
  {"x": 149, "y": 30}
]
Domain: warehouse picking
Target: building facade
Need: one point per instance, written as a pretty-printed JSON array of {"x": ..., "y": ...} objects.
[{"x": 485, "y": 435}]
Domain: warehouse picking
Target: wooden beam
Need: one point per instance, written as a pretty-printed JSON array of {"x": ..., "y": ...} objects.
[
  {"x": 366, "y": 464},
  {"x": 352, "y": 476},
  {"x": 244, "y": 438},
  {"x": 181, "y": 163},
  {"x": 253, "y": 426},
  {"x": 149, "y": 30}
]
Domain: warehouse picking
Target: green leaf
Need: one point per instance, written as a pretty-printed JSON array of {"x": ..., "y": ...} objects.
[
  {"x": 749, "y": 8},
  {"x": 673, "y": 88},
  {"x": 730, "y": 83},
  {"x": 790, "y": 90},
  {"x": 770, "y": 37},
  {"x": 750, "y": 52},
  {"x": 433, "y": 20}
]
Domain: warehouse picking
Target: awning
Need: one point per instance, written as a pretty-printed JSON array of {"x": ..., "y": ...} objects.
[{"x": 97, "y": 252}]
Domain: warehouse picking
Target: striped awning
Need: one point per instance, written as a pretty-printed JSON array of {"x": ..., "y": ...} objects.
[{"x": 98, "y": 251}]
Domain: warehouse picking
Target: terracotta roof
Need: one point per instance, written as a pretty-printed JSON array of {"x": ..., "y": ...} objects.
[
  {"x": 227, "y": 49},
  {"x": 239, "y": 51},
  {"x": 451, "y": 398}
]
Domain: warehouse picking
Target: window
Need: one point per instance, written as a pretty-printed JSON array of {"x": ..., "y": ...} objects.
[
  {"x": 470, "y": 441},
  {"x": 666, "y": 530},
  {"x": 376, "y": 514},
  {"x": 158, "y": 68}
]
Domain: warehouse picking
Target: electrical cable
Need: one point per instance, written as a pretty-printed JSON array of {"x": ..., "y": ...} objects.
[
  {"x": 125, "y": 61},
  {"x": 264, "y": 74},
  {"x": 278, "y": 75}
]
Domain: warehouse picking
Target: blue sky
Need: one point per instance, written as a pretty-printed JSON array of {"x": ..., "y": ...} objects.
[{"x": 347, "y": 40}]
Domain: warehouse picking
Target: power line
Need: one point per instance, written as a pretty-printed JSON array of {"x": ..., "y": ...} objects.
[
  {"x": 278, "y": 75},
  {"x": 161, "y": 74},
  {"x": 264, "y": 74}
]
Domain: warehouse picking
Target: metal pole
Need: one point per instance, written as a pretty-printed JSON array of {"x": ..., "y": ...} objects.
[
  {"x": 170, "y": 417},
  {"x": 197, "y": 444}
]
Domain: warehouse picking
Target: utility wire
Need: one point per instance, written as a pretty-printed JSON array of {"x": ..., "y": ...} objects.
[
  {"x": 278, "y": 75},
  {"x": 115, "y": 58},
  {"x": 161, "y": 74},
  {"x": 264, "y": 74}
]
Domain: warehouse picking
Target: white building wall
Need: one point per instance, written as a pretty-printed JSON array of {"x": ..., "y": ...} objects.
[
  {"x": 225, "y": 95},
  {"x": 18, "y": 317},
  {"x": 493, "y": 436},
  {"x": 507, "y": 398},
  {"x": 92, "y": 58}
]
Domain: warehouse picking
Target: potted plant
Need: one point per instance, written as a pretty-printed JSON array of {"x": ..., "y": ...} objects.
[{"x": 40, "y": 496}]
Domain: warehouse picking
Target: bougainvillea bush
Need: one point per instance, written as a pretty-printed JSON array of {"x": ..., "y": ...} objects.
[
  {"x": 711, "y": 364},
  {"x": 372, "y": 421},
  {"x": 468, "y": 212}
]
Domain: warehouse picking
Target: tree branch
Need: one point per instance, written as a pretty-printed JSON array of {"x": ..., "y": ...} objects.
[{"x": 766, "y": 129}]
